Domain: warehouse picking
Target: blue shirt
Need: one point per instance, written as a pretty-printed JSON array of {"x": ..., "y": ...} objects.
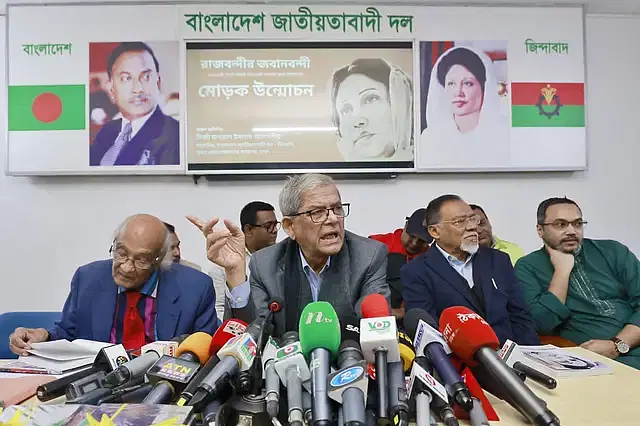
[
  {"x": 465, "y": 269},
  {"x": 239, "y": 296}
]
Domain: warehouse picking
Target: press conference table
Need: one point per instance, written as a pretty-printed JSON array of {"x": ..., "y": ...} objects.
[{"x": 607, "y": 400}]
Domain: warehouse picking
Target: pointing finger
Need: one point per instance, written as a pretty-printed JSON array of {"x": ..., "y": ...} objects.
[{"x": 197, "y": 222}]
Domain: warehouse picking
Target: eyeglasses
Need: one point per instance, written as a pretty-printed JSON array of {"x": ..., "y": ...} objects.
[
  {"x": 321, "y": 215},
  {"x": 464, "y": 222},
  {"x": 561, "y": 224},
  {"x": 269, "y": 226},
  {"x": 121, "y": 257}
]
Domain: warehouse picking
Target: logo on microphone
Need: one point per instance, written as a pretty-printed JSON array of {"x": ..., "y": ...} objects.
[
  {"x": 379, "y": 325},
  {"x": 121, "y": 360},
  {"x": 352, "y": 328},
  {"x": 290, "y": 349},
  {"x": 317, "y": 317},
  {"x": 234, "y": 328},
  {"x": 347, "y": 376}
]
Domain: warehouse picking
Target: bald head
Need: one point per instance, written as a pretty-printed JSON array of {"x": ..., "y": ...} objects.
[{"x": 140, "y": 246}]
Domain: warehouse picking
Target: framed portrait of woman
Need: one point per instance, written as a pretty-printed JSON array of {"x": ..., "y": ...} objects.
[{"x": 465, "y": 119}]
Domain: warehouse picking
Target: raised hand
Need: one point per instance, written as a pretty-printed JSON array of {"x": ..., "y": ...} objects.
[{"x": 225, "y": 246}]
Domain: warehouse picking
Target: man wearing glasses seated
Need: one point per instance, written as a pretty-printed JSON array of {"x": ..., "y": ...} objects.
[
  {"x": 319, "y": 260},
  {"x": 137, "y": 297},
  {"x": 260, "y": 227},
  {"x": 584, "y": 290},
  {"x": 459, "y": 272}
]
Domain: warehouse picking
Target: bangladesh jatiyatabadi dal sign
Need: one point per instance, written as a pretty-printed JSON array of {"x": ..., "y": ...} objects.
[{"x": 302, "y": 19}]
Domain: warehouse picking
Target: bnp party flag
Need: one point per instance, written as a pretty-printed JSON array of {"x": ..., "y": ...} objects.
[
  {"x": 55, "y": 107},
  {"x": 547, "y": 104}
]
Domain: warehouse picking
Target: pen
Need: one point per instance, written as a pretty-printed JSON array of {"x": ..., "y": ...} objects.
[{"x": 494, "y": 283}]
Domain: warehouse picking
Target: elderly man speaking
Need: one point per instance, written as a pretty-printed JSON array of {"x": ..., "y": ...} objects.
[
  {"x": 319, "y": 260},
  {"x": 135, "y": 298}
]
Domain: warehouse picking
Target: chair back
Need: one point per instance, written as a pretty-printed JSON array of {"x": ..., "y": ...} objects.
[{"x": 9, "y": 321}]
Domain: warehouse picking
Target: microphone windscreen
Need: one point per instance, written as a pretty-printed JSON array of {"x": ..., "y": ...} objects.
[
  {"x": 227, "y": 330},
  {"x": 350, "y": 328},
  {"x": 407, "y": 351},
  {"x": 375, "y": 306},
  {"x": 276, "y": 304},
  {"x": 198, "y": 343},
  {"x": 465, "y": 331},
  {"x": 319, "y": 327},
  {"x": 412, "y": 318}
]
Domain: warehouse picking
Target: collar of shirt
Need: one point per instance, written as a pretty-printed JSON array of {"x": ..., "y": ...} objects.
[
  {"x": 150, "y": 288},
  {"x": 136, "y": 124},
  {"x": 454, "y": 261},
  {"x": 306, "y": 266}
]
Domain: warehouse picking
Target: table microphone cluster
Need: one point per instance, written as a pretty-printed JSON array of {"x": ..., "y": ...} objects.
[{"x": 349, "y": 371}]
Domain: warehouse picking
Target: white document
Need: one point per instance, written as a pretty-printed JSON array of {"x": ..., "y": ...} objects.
[{"x": 62, "y": 356}]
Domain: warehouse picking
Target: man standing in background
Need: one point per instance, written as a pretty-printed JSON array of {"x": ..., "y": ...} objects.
[
  {"x": 486, "y": 237},
  {"x": 586, "y": 291},
  {"x": 144, "y": 135},
  {"x": 260, "y": 227},
  {"x": 404, "y": 244},
  {"x": 176, "y": 254}
]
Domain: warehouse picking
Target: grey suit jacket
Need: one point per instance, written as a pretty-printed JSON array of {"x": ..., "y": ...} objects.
[{"x": 359, "y": 269}]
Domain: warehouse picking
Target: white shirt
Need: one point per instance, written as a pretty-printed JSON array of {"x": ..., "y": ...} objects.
[{"x": 136, "y": 124}]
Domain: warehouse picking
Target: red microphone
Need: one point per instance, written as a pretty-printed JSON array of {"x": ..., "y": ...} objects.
[
  {"x": 473, "y": 340},
  {"x": 375, "y": 306},
  {"x": 227, "y": 330}
]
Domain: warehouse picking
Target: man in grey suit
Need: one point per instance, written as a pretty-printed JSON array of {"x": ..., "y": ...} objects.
[{"x": 319, "y": 260}]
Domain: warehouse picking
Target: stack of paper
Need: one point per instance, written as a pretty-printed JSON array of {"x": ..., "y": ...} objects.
[
  {"x": 557, "y": 362},
  {"x": 62, "y": 355}
]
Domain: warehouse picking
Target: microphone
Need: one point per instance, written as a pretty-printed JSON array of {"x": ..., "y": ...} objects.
[
  {"x": 229, "y": 329},
  {"x": 271, "y": 378},
  {"x": 407, "y": 351},
  {"x": 291, "y": 367},
  {"x": 320, "y": 339},
  {"x": 379, "y": 341},
  {"x": 427, "y": 388},
  {"x": 477, "y": 416},
  {"x": 236, "y": 355},
  {"x": 513, "y": 357},
  {"x": 170, "y": 375},
  {"x": 475, "y": 343},
  {"x": 306, "y": 407},
  {"x": 348, "y": 386},
  {"x": 422, "y": 327}
]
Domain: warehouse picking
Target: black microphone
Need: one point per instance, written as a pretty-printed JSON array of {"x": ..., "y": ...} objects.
[
  {"x": 535, "y": 375},
  {"x": 348, "y": 386},
  {"x": 427, "y": 340}
]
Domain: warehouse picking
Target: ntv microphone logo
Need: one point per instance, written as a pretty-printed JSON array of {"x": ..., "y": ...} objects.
[{"x": 318, "y": 318}]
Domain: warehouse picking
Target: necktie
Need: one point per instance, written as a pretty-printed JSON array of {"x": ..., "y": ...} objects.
[
  {"x": 133, "y": 327},
  {"x": 112, "y": 154}
]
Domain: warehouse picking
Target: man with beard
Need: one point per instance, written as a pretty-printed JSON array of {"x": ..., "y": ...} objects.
[
  {"x": 458, "y": 272},
  {"x": 587, "y": 291},
  {"x": 404, "y": 244}
]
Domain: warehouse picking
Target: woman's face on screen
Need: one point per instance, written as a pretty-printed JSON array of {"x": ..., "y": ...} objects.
[
  {"x": 365, "y": 117},
  {"x": 464, "y": 91}
]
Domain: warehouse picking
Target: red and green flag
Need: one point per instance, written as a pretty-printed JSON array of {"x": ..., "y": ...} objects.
[
  {"x": 59, "y": 107},
  {"x": 547, "y": 105}
]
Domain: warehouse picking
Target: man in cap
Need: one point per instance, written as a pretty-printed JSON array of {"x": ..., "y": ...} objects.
[{"x": 404, "y": 244}]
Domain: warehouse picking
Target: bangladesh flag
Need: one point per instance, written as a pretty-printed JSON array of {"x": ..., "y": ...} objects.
[
  {"x": 547, "y": 104},
  {"x": 60, "y": 107}
]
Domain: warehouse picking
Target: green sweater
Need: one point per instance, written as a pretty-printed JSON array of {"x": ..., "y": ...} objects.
[{"x": 603, "y": 295}]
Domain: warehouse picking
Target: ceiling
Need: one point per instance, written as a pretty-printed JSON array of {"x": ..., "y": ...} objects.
[{"x": 593, "y": 6}]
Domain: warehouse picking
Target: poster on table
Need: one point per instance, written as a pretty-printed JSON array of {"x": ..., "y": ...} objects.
[{"x": 276, "y": 89}]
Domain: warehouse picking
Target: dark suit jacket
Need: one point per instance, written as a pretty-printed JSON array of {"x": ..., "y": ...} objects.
[
  {"x": 160, "y": 136},
  {"x": 359, "y": 269},
  {"x": 432, "y": 284},
  {"x": 185, "y": 303}
]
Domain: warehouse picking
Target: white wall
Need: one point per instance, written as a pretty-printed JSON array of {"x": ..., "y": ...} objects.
[{"x": 49, "y": 226}]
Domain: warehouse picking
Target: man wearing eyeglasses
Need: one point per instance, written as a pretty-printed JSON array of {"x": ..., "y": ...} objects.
[
  {"x": 260, "y": 227},
  {"x": 460, "y": 272},
  {"x": 137, "y": 297},
  {"x": 584, "y": 290},
  {"x": 319, "y": 260}
]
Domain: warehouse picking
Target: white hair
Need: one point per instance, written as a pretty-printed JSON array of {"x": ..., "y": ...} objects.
[
  {"x": 294, "y": 188},
  {"x": 165, "y": 252}
]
